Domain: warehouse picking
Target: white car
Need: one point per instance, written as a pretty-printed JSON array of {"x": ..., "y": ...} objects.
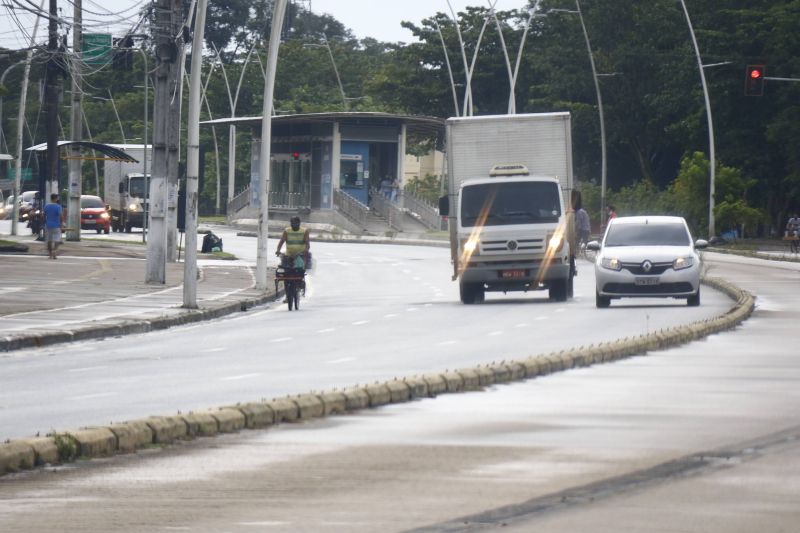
[{"x": 645, "y": 257}]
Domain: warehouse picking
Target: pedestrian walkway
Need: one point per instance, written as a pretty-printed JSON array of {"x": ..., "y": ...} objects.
[{"x": 95, "y": 290}]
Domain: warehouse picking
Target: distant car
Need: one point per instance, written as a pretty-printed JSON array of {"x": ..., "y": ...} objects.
[
  {"x": 7, "y": 208},
  {"x": 645, "y": 257},
  {"x": 94, "y": 214}
]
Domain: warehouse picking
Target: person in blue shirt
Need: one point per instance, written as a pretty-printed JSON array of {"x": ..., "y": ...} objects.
[{"x": 53, "y": 221}]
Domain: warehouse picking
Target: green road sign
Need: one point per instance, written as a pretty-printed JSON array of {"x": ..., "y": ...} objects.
[{"x": 96, "y": 48}]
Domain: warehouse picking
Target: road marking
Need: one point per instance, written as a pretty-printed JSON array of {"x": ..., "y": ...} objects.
[
  {"x": 241, "y": 376},
  {"x": 541, "y": 318},
  {"x": 495, "y": 333},
  {"x": 263, "y": 524},
  {"x": 210, "y": 350},
  {"x": 92, "y": 396},
  {"x": 416, "y": 278},
  {"x": 86, "y": 368},
  {"x": 411, "y": 309},
  {"x": 342, "y": 360},
  {"x": 326, "y": 330},
  {"x": 447, "y": 343},
  {"x": 281, "y": 339},
  {"x": 561, "y": 309},
  {"x": 523, "y": 325},
  {"x": 361, "y": 322},
  {"x": 390, "y": 315},
  {"x": 7, "y": 290}
]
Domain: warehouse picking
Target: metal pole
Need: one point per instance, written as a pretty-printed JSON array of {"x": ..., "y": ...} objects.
[
  {"x": 468, "y": 94},
  {"x": 146, "y": 216},
  {"x": 604, "y": 163},
  {"x": 711, "y": 159},
  {"x": 193, "y": 159},
  {"x": 75, "y": 187},
  {"x": 449, "y": 69},
  {"x": 335, "y": 70},
  {"x": 278, "y": 11},
  {"x": 114, "y": 106},
  {"x": 21, "y": 126}
]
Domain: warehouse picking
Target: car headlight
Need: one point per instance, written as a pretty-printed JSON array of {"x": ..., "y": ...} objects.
[
  {"x": 611, "y": 263},
  {"x": 683, "y": 262},
  {"x": 133, "y": 207},
  {"x": 105, "y": 216},
  {"x": 470, "y": 245}
]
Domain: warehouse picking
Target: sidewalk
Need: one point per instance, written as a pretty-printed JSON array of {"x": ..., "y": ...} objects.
[{"x": 97, "y": 289}]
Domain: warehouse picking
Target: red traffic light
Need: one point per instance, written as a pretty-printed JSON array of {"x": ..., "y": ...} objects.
[
  {"x": 295, "y": 155},
  {"x": 754, "y": 80}
]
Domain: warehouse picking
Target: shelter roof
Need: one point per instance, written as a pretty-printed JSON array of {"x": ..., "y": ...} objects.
[{"x": 110, "y": 152}]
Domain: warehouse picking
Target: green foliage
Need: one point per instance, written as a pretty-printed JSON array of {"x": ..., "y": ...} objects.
[{"x": 427, "y": 188}]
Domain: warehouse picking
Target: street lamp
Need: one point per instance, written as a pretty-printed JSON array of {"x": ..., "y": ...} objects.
[
  {"x": 604, "y": 164},
  {"x": 711, "y": 159},
  {"x": 335, "y": 70}
]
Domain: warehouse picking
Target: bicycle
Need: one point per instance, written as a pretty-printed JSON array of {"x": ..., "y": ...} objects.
[{"x": 292, "y": 274}]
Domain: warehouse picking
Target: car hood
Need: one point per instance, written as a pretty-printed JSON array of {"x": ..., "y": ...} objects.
[{"x": 656, "y": 254}]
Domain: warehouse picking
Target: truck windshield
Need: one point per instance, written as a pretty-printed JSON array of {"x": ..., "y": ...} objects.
[
  {"x": 506, "y": 203},
  {"x": 647, "y": 235},
  {"x": 136, "y": 186}
]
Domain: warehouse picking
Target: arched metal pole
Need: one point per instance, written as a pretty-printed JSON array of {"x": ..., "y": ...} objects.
[{"x": 449, "y": 69}]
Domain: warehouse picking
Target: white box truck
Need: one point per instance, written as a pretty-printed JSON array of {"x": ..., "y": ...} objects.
[
  {"x": 509, "y": 177},
  {"x": 125, "y": 188}
]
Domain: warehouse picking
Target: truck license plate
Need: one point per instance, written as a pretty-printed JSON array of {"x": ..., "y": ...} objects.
[
  {"x": 646, "y": 281},
  {"x": 518, "y": 273}
]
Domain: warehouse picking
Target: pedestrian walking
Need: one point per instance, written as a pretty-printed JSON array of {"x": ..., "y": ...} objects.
[{"x": 53, "y": 222}]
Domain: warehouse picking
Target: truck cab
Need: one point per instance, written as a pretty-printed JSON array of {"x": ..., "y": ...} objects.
[{"x": 130, "y": 208}]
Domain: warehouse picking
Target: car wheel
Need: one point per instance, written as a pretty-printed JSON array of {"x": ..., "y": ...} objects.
[
  {"x": 601, "y": 302},
  {"x": 694, "y": 300},
  {"x": 106, "y": 231}
]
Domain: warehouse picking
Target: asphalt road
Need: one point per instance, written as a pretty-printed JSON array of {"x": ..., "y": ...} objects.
[
  {"x": 372, "y": 312},
  {"x": 700, "y": 438}
]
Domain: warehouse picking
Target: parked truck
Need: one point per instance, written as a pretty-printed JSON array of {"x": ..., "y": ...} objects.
[
  {"x": 125, "y": 188},
  {"x": 509, "y": 177}
]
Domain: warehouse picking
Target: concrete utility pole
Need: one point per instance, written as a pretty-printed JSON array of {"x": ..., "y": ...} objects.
[
  {"x": 167, "y": 55},
  {"x": 51, "y": 105},
  {"x": 193, "y": 159},
  {"x": 20, "y": 125},
  {"x": 278, "y": 12},
  {"x": 75, "y": 122}
]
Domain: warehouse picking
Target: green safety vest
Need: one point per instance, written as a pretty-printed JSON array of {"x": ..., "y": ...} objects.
[{"x": 295, "y": 241}]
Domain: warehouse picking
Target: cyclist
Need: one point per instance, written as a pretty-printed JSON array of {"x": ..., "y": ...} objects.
[{"x": 297, "y": 243}]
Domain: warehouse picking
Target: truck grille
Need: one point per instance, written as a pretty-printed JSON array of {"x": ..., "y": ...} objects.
[{"x": 512, "y": 245}]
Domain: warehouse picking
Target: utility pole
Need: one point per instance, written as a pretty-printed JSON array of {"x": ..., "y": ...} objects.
[
  {"x": 193, "y": 159},
  {"x": 75, "y": 185},
  {"x": 278, "y": 11},
  {"x": 167, "y": 55},
  {"x": 51, "y": 105}
]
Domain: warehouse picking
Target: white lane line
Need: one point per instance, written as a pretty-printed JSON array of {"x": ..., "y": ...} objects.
[
  {"x": 361, "y": 322},
  {"x": 326, "y": 330},
  {"x": 7, "y": 290},
  {"x": 342, "y": 360},
  {"x": 561, "y": 309},
  {"x": 447, "y": 343},
  {"x": 92, "y": 396},
  {"x": 390, "y": 315},
  {"x": 522, "y": 325},
  {"x": 86, "y": 369},
  {"x": 411, "y": 309},
  {"x": 211, "y": 350},
  {"x": 541, "y": 318},
  {"x": 240, "y": 376},
  {"x": 428, "y": 305},
  {"x": 495, "y": 333},
  {"x": 281, "y": 339},
  {"x": 406, "y": 271},
  {"x": 417, "y": 278}
]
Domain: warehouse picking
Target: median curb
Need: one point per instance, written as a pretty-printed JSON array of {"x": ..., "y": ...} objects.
[{"x": 138, "y": 434}]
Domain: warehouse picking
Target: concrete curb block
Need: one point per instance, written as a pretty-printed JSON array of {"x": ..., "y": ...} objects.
[
  {"x": 138, "y": 434},
  {"x": 94, "y": 442}
]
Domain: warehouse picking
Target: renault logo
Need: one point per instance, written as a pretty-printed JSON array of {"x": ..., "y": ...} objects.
[
  {"x": 512, "y": 245},
  {"x": 647, "y": 266}
]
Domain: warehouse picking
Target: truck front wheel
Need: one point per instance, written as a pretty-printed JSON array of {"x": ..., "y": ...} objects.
[
  {"x": 470, "y": 293},
  {"x": 559, "y": 290}
]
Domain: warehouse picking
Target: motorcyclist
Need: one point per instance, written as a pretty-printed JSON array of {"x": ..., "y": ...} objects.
[{"x": 297, "y": 243}]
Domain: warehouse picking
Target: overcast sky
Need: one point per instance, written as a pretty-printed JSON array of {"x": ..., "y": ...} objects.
[{"x": 367, "y": 18}]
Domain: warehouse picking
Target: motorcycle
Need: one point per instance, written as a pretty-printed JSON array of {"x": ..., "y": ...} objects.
[
  {"x": 35, "y": 220},
  {"x": 292, "y": 273}
]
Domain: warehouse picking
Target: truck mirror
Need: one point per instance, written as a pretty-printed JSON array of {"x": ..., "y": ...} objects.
[
  {"x": 121, "y": 187},
  {"x": 444, "y": 206}
]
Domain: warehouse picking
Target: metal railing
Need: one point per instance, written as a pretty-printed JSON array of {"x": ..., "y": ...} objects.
[
  {"x": 350, "y": 207},
  {"x": 288, "y": 199},
  {"x": 423, "y": 211},
  {"x": 239, "y": 202},
  {"x": 388, "y": 210}
]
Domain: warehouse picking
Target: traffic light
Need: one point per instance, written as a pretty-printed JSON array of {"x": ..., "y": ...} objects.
[
  {"x": 754, "y": 80},
  {"x": 296, "y": 156}
]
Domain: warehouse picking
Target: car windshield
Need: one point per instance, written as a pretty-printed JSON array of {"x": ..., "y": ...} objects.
[
  {"x": 645, "y": 234},
  {"x": 499, "y": 204},
  {"x": 91, "y": 202}
]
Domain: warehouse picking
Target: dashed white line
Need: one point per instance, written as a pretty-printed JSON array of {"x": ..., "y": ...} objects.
[
  {"x": 411, "y": 309},
  {"x": 240, "y": 376},
  {"x": 326, "y": 330},
  {"x": 523, "y": 325},
  {"x": 87, "y": 369},
  {"x": 541, "y": 318},
  {"x": 360, "y": 322},
  {"x": 92, "y": 396},
  {"x": 495, "y": 333},
  {"x": 342, "y": 360},
  {"x": 211, "y": 350},
  {"x": 281, "y": 339}
]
